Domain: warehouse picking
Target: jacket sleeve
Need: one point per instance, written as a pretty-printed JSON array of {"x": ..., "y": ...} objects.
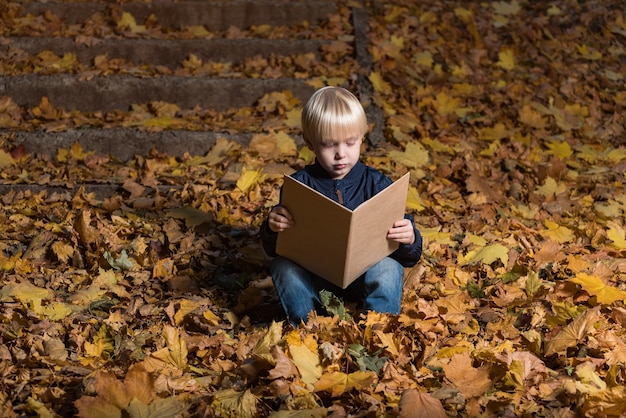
[
  {"x": 268, "y": 238},
  {"x": 409, "y": 254}
]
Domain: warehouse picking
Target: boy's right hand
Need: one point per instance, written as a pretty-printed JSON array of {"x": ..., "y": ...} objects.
[{"x": 280, "y": 219}]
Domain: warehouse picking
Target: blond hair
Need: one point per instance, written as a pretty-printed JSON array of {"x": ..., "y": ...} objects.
[{"x": 330, "y": 113}]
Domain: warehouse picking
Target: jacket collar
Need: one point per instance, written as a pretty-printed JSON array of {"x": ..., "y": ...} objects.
[{"x": 355, "y": 174}]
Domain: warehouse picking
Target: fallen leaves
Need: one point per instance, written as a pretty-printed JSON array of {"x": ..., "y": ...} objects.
[{"x": 155, "y": 301}]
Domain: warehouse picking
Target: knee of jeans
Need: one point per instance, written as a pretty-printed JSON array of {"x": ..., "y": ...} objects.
[
  {"x": 387, "y": 272},
  {"x": 281, "y": 265},
  {"x": 389, "y": 266}
]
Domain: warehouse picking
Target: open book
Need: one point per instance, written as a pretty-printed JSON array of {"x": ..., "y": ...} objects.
[{"x": 334, "y": 242}]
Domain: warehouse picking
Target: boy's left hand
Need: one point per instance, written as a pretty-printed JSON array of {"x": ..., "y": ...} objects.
[{"x": 402, "y": 231}]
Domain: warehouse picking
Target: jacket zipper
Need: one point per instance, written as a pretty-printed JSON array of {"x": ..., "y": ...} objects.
[{"x": 338, "y": 193}]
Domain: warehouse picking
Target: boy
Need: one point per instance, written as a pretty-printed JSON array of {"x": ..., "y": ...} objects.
[{"x": 333, "y": 126}]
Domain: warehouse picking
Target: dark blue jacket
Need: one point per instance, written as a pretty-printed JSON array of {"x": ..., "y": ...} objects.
[{"x": 360, "y": 184}]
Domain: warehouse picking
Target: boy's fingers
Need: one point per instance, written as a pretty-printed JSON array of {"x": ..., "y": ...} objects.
[{"x": 284, "y": 212}]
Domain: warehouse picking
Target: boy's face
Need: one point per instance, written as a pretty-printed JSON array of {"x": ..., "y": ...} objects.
[{"x": 338, "y": 155}]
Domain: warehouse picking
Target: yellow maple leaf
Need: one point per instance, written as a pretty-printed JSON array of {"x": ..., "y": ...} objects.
[
  {"x": 286, "y": 144},
  {"x": 248, "y": 179},
  {"x": 393, "y": 12},
  {"x": 445, "y": 104},
  {"x": 506, "y": 59},
  {"x": 435, "y": 235},
  {"x": 551, "y": 188},
  {"x": 560, "y": 149},
  {"x": 231, "y": 403},
  {"x": 413, "y": 156},
  {"x": 8, "y": 263},
  {"x": 128, "y": 22},
  {"x": 589, "y": 53},
  {"x": 293, "y": 119},
  {"x": 262, "y": 349},
  {"x": 504, "y": 8},
  {"x": 558, "y": 233},
  {"x": 437, "y": 145},
  {"x": 211, "y": 317},
  {"x": 164, "y": 268},
  {"x": 83, "y": 297},
  {"x": 306, "y": 154},
  {"x": 595, "y": 286},
  {"x": 379, "y": 84},
  {"x": 424, "y": 59},
  {"x": 185, "y": 308},
  {"x": 62, "y": 250},
  {"x": 499, "y": 131},
  {"x": 77, "y": 151},
  {"x": 388, "y": 342},
  {"x": 57, "y": 310},
  {"x": 413, "y": 200},
  {"x": 173, "y": 355},
  {"x": 532, "y": 118},
  {"x": 25, "y": 292},
  {"x": 307, "y": 363},
  {"x": 338, "y": 383},
  {"x": 487, "y": 255},
  {"x": 5, "y": 159},
  {"x": 198, "y": 30},
  {"x": 617, "y": 154},
  {"x": 616, "y": 234},
  {"x": 219, "y": 151}
]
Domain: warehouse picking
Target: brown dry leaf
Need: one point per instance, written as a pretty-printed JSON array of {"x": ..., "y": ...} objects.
[
  {"x": 417, "y": 404},
  {"x": 86, "y": 233},
  {"x": 45, "y": 110},
  {"x": 135, "y": 189},
  {"x": 284, "y": 368},
  {"x": 62, "y": 250},
  {"x": 550, "y": 252},
  {"x": 487, "y": 119},
  {"x": 610, "y": 402},
  {"x": 574, "y": 333},
  {"x": 231, "y": 403},
  {"x": 173, "y": 355},
  {"x": 115, "y": 396},
  {"x": 471, "y": 381}
]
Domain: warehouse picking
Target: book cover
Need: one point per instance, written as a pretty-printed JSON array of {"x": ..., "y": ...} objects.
[{"x": 334, "y": 242}]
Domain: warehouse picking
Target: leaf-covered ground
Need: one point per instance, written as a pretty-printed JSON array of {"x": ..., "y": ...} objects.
[{"x": 155, "y": 299}]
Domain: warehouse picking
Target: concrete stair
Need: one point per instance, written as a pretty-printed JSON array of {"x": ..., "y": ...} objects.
[{"x": 236, "y": 31}]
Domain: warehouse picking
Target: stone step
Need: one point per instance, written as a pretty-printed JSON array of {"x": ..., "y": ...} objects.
[
  {"x": 214, "y": 15},
  {"x": 165, "y": 52},
  {"x": 125, "y": 143},
  {"x": 119, "y": 92},
  {"x": 91, "y": 93}
]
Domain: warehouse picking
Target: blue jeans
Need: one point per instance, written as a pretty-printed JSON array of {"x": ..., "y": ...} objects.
[{"x": 380, "y": 288}]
